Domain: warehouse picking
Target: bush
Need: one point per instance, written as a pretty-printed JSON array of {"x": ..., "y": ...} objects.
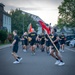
[
  {"x": 10, "y": 37},
  {"x": 3, "y": 36}
]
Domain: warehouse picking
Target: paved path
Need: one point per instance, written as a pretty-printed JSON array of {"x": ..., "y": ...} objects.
[{"x": 40, "y": 64}]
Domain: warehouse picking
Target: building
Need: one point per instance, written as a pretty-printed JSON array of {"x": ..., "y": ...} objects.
[
  {"x": 5, "y": 19},
  {"x": 66, "y": 30}
]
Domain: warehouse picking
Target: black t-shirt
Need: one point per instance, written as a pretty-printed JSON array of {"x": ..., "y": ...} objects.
[
  {"x": 62, "y": 37},
  {"x": 47, "y": 37},
  {"x": 25, "y": 37},
  {"x": 54, "y": 37},
  {"x": 42, "y": 37},
  {"x": 33, "y": 35},
  {"x": 17, "y": 39}
]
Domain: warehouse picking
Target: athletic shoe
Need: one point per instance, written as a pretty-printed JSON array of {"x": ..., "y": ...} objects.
[
  {"x": 42, "y": 50},
  {"x": 24, "y": 50},
  {"x": 34, "y": 53},
  {"x": 57, "y": 62},
  {"x": 20, "y": 59},
  {"x": 16, "y": 62},
  {"x": 61, "y": 64},
  {"x": 62, "y": 50}
]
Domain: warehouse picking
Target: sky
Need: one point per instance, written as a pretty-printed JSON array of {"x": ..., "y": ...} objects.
[{"x": 47, "y": 10}]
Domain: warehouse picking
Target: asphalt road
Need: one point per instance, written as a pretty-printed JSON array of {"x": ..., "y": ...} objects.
[{"x": 40, "y": 64}]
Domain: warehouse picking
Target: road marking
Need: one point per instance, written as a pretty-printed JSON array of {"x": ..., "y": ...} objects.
[{"x": 70, "y": 49}]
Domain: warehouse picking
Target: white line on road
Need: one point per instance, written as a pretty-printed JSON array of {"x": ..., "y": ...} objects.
[{"x": 70, "y": 49}]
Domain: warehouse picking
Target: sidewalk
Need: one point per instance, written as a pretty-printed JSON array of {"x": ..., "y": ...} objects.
[{"x": 4, "y": 46}]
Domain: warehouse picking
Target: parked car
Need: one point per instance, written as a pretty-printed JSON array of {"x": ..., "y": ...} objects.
[
  {"x": 69, "y": 38},
  {"x": 72, "y": 43}
]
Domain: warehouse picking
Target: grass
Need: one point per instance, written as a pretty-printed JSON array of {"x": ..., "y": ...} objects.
[{"x": 4, "y": 44}]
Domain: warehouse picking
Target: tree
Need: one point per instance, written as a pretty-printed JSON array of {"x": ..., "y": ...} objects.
[
  {"x": 67, "y": 13},
  {"x": 3, "y": 36},
  {"x": 10, "y": 37},
  {"x": 18, "y": 19}
]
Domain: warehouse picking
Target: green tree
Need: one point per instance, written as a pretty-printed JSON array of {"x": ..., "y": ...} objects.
[
  {"x": 3, "y": 36},
  {"x": 27, "y": 20},
  {"x": 67, "y": 13},
  {"x": 18, "y": 19}
]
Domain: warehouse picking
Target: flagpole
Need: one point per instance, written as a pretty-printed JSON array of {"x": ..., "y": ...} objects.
[
  {"x": 54, "y": 45},
  {"x": 46, "y": 30}
]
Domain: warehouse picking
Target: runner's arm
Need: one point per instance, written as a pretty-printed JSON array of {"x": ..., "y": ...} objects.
[{"x": 57, "y": 39}]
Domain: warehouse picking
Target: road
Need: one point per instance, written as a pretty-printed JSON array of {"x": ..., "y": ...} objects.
[{"x": 40, "y": 64}]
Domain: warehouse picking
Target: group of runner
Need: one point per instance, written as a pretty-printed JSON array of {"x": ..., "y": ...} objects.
[{"x": 51, "y": 43}]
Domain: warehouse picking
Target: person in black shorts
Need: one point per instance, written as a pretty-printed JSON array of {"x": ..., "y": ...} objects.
[
  {"x": 22, "y": 40},
  {"x": 25, "y": 37},
  {"x": 37, "y": 41},
  {"x": 15, "y": 47},
  {"x": 62, "y": 42},
  {"x": 32, "y": 38},
  {"x": 48, "y": 43},
  {"x": 42, "y": 41},
  {"x": 55, "y": 40}
]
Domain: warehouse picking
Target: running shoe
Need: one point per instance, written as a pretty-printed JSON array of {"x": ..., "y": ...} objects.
[
  {"x": 61, "y": 64},
  {"x": 16, "y": 62},
  {"x": 57, "y": 62}
]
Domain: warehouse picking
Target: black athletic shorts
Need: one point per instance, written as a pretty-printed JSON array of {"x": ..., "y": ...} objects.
[
  {"x": 57, "y": 45},
  {"x": 62, "y": 42},
  {"x": 26, "y": 43},
  {"x": 37, "y": 41},
  {"x": 22, "y": 42},
  {"x": 42, "y": 42},
  {"x": 15, "y": 48},
  {"x": 48, "y": 43},
  {"x": 33, "y": 42}
]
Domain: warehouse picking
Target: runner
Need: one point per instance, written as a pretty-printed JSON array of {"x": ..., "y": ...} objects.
[
  {"x": 22, "y": 40},
  {"x": 15, "y": 48},
  {"x": 38, "y": 41},
  {"x": 62, "y": 42},
  {"x": 32, "y": 38},
  {"x": 42, "y": 41},
  {"x": 55, "y": 40},
  {"x": 48, "y": 43},
  {"x": 25, "y": 37}
]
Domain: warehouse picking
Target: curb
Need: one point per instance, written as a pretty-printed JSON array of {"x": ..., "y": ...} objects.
[{"x": 5, "y": 46}]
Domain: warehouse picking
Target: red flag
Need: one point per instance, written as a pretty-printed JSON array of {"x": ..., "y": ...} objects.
[
  {"x": 30, "y": 28},
  {"x": 44, "y": 27}
]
